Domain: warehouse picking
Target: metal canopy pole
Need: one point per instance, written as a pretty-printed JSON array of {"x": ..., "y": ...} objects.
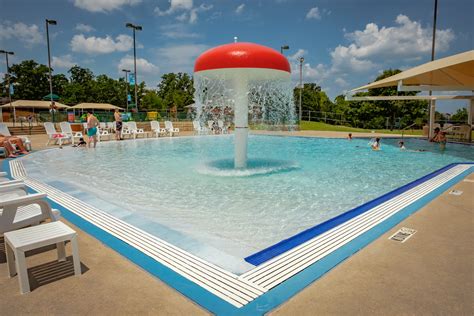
[
  {"x": 470, "y": 113},
  {"x": 432, "y": 108}
]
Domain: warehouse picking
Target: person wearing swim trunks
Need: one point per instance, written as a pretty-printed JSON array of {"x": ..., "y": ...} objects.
[
  {"x": 118, "y": 125},
  {"x": 92, "y": 123}
]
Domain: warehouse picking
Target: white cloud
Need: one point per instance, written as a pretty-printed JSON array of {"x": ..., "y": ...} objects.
[
  {"x": 28, "y": 34},
  {"x": 240, "y": 9},
  {"x": 177, "y": 30},
  {"x": 143, "y": 66},
  {"x": 407, "y": 41},
  {"x": 405, "y": 44},
  {"x": 84, "y": 28},
  {"x": 180, "y": 57},
  {"x": 313, "y": 13},
  {"x": 98, "y": 45},
  {"x": 186, "y": 10},
  {"x": 175, "y": 5},
  {"x": 64, "y": 61},
  {"x": 310, "y": 73},
  {"x": 104, "y": 5}
]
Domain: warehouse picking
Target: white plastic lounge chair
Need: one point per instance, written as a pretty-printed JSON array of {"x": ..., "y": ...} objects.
[
  {"x": 198, "y": 129},
  {"x": 222, "y": 127},
  {"x": 67, "y": 130},
  {"x": 25, "y": 210},
  {"x": 6, "y": 132},
  {"x": 110, "y": 127},
  {"x": 53, "y": 135},
  {"x": 126, "y": 131},
  {"x": 132, "y": 126},
  {"x": 102, "y": 134},
  {"x": 102, "y": 125},
  {"x": 170, "y": 129},
  {"x": 155, "y": 128}
]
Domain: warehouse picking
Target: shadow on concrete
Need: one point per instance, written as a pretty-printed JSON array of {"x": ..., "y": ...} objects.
[
  {"x": 45, "y": 273},
  {"x": 51, "y": 272}
]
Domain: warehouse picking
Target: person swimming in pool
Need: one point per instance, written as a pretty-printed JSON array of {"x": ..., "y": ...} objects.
[
  {"x": 92, "y": 123},
  {"x": 401, "y": 145},
  {"x": 376, "y": 145},
  {"x": 82, "y": 143},
  {"x": 440, "y": 138},
  {"x": 349, "y": 137}
]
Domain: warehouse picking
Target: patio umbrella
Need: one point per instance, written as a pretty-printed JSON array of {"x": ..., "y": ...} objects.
[{"x": 48, "y": 97}]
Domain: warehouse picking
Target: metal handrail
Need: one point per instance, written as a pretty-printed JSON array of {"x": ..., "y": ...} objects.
[{"x": 403, "y": 129}]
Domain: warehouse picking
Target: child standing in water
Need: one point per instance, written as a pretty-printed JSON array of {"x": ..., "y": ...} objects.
[{"x": 376, "y": 145}]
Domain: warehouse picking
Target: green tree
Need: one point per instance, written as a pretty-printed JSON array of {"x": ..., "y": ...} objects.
[
  {"x": 30, "y": 80},
  {"x": 151, "y": 101},
  {"x": 460, "y": 115},
  {"x": 176, "y": 90},
  {"x": 312, "y": 98}
]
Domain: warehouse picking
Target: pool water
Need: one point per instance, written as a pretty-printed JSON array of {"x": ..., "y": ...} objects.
[{"x": 185, "y": 191}]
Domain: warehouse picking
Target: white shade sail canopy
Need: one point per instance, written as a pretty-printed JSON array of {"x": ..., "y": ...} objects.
[
  {"x": 32, "y": 104},
  {"x": 95, "y": 106},
  {"x": 455, "y": 73}
]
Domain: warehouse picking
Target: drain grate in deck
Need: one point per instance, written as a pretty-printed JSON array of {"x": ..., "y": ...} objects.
[{"x": 403, "y": 234}]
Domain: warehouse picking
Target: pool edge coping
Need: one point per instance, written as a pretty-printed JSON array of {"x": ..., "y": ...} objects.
[{"x": 275, "y": 296}]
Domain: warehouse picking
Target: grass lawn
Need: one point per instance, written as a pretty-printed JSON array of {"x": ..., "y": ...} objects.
[{"x": 319, "y": 126}]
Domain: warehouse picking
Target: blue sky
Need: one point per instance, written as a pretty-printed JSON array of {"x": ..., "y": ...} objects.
[{"x": 345, "y": 43}]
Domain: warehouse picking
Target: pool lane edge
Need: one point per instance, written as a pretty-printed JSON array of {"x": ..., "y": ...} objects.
[
  {"x": 276, "y": 295},
  {"x": 282, "y": 246}
]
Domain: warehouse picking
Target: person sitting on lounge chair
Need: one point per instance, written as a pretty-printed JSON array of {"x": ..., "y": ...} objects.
[{"x": 15, "y": 141}]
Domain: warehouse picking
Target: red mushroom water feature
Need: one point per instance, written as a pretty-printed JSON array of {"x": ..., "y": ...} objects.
[{"x": 231, "y": 76}]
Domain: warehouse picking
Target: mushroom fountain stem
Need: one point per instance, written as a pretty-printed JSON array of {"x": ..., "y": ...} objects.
[{"x": 241, "y": 118}]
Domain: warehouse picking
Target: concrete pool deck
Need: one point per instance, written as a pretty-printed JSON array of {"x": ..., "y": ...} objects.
[{"x": 432, "y": 273}]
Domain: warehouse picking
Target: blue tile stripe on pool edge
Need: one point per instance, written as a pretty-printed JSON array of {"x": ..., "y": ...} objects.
[
  {"x": 278, "y": 294},
  {"x": 296, "y": 240}
]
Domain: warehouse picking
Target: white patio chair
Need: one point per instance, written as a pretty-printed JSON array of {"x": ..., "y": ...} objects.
[
  {"x": 102, "y": 134},
  {"x": 132, "y": 126},
  {"x": 24, "y": 210},
  {"x": 126, "y": 131},
  {"x": 67, "y": 130},
  {"x": 54, "y": 135},
  {"x": 155, "y": 128},
  {"x": 6, "y": 132},
  {"x": 198, "y": 129},
  {"x": 111, "y": 127},
  {"x": 103, "y": 125},
  {"x": 170, "y": 129}
]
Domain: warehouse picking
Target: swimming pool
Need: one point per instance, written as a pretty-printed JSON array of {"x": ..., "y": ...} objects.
[{"x": 182, "y": 191}]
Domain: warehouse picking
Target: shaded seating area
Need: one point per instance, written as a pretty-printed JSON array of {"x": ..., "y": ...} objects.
[{"x": 453, "y": 73}]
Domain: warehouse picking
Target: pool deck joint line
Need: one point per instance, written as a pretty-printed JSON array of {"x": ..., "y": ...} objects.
[{"x": 283, "y": 269}]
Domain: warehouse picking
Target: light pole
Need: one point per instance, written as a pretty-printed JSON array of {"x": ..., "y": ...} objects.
[
  {"x": 48, "y": 22},
  {"x": 301, "y": 85},
  {"x": 8, "y": 83},
  {"x": 282, "y": 48},
  {"x": 134, "y": 28},
  {"x": 432, "y": 106},
  {"x": 126, "y": 83}
]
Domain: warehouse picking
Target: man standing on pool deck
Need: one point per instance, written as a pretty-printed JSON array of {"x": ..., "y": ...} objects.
[
  {"x": 92, "y": 123},
  {"x": 118, "y": 125}
]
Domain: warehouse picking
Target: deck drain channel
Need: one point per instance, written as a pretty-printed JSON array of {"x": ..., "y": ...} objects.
[{"x": 403, "y": 234}]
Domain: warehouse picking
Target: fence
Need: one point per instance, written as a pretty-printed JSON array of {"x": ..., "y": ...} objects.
[
  {"x": 326, "y": 117},
  {"x": 37, "y": 118}
]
